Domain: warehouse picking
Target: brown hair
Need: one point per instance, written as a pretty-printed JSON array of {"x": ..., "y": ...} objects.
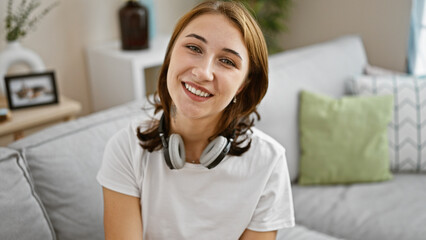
[{"x": 236, "y": 116}]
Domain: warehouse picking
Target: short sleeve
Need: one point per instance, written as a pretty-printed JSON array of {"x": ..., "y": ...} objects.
[
  {"x": 119, "y": 170},
  {"x": 275, "y": 207}
]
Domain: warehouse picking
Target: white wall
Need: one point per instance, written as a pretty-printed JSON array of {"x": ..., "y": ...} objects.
[{"x": 62, "y": 36}]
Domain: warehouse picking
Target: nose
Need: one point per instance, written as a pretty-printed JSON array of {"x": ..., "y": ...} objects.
[{"x": 203, "y": 70}]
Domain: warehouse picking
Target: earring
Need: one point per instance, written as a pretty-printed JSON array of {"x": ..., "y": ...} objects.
[{"x": 235, "y": 99}]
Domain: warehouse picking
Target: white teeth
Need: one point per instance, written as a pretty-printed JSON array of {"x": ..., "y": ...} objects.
[{"x": 196, "y": 91}]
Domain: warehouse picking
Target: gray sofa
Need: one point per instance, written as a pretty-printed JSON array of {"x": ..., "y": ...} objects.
[{"x": 48, "y": 188}]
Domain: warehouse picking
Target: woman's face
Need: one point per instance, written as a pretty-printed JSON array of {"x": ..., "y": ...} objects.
[{"x": 209, "y": 63}]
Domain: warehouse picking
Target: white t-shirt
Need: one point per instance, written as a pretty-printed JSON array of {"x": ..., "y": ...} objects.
[{"x": 251, "y": 191}]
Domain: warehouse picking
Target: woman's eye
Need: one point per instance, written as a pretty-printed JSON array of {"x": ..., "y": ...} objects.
[
  {"x": 194, "y": 48},
  {"x": 228, "y": 62}
]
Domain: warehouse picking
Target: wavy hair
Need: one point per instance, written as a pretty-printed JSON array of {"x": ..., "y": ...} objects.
[{"x": 237, "y": 117}]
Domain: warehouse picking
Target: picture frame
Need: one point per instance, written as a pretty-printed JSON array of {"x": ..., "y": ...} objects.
[{"x": 30, "y": 90}]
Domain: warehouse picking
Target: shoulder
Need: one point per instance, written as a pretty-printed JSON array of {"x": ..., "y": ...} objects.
[
  {"x": 126, "y": 134},
  {"x": 124, "y": 148},
  {"x": 121, "y": 168},
  {"x": 265, "y": 143},
  {"x": 264, "y": 152},
  {"x": 126, "y": 138}
]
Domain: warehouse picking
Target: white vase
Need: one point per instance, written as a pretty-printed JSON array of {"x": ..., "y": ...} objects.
[{"x": 14, "y": 53}]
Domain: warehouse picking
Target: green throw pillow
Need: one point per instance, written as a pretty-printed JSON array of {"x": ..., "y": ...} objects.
[{"x": 344, "y": 141}]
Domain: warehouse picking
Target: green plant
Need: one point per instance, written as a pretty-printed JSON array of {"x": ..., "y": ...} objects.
[
  {"x": 271, "y": 16},
  {"x": 18, "y": 21}
]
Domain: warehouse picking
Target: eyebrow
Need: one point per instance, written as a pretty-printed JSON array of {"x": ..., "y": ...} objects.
[
  {"x": 205, "y": 41},
  {"x": 197, "y": 37},
  {"x": 233, "y": 52}
]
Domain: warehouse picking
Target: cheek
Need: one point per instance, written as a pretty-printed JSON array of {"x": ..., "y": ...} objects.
[
  {"x": 170, "y": 80},
  {"x": 173, "y": 70},
  {"x": 232, "y": 85},
  {"x": 169, "y": 77},
  {"x": 239, "y": 81},
  {"x": 177, "y": 64}
]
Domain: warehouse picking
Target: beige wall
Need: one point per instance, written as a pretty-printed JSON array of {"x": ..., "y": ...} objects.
[
  {"x": 62, "y": 37},
  {"x": 382, "y": 24}
]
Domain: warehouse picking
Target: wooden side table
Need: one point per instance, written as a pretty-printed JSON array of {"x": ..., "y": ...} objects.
[{"x": 28, "y": 118}]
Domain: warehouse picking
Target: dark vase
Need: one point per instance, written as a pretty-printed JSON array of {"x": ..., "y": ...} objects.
[{"x": 134, "y": 26}]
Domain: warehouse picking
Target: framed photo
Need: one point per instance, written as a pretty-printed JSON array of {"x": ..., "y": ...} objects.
[{"x": 29, "y": 90}]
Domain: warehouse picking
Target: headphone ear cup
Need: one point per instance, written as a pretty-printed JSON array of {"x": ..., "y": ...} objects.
[
  {"x": 213, "y": 150},
  {"x": 177, "y": 151}
]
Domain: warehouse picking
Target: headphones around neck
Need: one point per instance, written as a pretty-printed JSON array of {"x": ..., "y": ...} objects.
[{"x": 174, "y": 149}]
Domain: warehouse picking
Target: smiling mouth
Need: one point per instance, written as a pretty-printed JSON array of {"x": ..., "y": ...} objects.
[{"x": 196, "y": 92}]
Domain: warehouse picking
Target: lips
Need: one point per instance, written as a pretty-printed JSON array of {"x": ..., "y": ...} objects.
[
  {"x": 196, "y": 90},
  {"x": 196, "y": 93}
]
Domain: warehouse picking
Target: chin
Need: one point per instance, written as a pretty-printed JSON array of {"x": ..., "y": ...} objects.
[
  {"x": 194, "y": 113},
  {"x": 191, "y": 114}
]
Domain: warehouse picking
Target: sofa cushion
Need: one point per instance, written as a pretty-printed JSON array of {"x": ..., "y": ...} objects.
[
  {"x": 322, "y": 67},
  {"x": 64, "y": 161},
  {"x": 344, "y": 140},
  {"x": 407, "y": 131},
  {"x": 391, "y": 210},
  {"x": 23, "y": 214}
]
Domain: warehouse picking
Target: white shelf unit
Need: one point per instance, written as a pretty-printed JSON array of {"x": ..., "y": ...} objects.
[{"x": 118, "y": 76}]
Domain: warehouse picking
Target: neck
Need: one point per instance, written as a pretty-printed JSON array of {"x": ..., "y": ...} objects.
[{"x": 195, "y": 134}]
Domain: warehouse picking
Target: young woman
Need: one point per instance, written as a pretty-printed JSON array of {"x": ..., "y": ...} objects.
[{"x": 200, "y": 171}]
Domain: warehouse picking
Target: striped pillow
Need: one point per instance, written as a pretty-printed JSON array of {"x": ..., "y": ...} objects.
[{"x": 407, "y": 130}]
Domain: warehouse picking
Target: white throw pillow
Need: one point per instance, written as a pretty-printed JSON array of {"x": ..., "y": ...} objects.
[
  {"x": 378, "y": 71},
  {"x": 407, "y": 130}
]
